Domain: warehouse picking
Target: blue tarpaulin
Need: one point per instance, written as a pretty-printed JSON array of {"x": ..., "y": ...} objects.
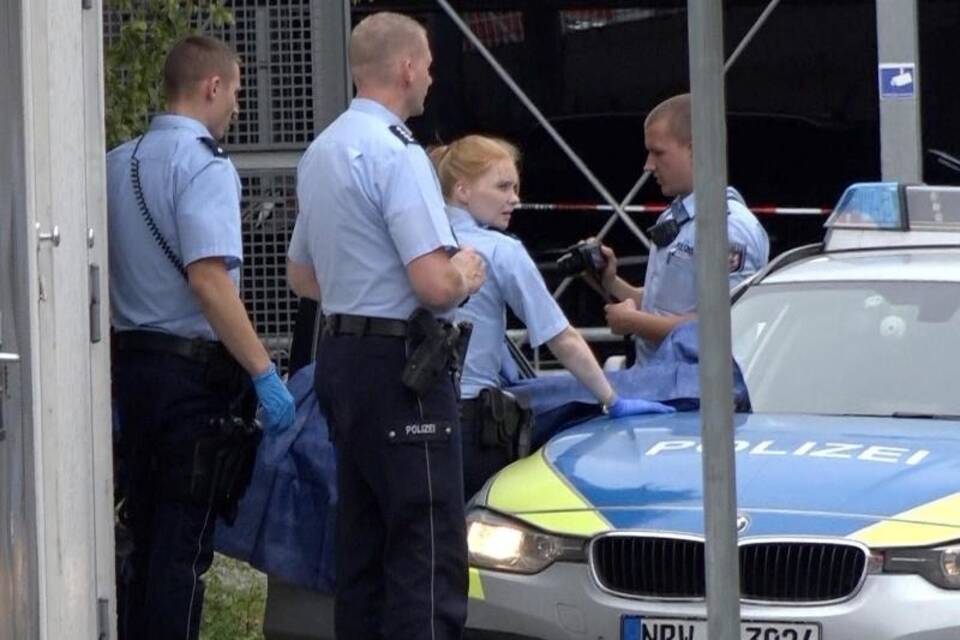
[{"x": 285, "y": 522}]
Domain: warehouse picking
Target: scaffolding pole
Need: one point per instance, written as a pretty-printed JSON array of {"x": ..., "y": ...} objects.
[{"x": 705, "y": 33}]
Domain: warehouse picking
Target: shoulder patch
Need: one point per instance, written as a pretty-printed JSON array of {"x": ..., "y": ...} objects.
[
  {"x": 214, "y": 146},
  {"x": 404, "y": 134}
]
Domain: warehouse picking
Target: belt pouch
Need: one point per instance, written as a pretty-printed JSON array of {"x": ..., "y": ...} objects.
[{"x": 505, "y": 423}]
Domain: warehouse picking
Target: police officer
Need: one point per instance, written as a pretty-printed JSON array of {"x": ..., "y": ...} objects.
[
  {"x": 669, "y": 294},
  {"x": 480, "y": 182},
  {"x": 184, "y": 348},
  {"x": 373, "y": 234}
]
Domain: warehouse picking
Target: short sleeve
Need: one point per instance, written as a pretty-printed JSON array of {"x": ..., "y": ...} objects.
[
  {"x": 299, "y": 249},
  {"x": 413, "y": 206},
  {"x": 526, "y": 293},
  {"x": 208, "y": 215},
  {"x": 749, "y": 245}
]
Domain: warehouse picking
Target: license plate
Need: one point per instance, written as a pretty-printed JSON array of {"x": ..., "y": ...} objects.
[{"x": 650, "y": 628}]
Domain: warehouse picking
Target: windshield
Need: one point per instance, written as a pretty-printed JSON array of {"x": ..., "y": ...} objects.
[{"x": 873, "y": 348}]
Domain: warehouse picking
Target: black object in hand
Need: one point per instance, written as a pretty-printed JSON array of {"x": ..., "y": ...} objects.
[{"x": 583, "y": 257}]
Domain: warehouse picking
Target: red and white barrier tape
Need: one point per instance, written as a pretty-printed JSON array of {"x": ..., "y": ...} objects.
[{"x": 658, "y": 208}]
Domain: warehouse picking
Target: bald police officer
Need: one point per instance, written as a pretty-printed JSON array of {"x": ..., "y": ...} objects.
[
  {"x": 373, "y": 235},
  {"x": 669, "y": 294},
  {"x": 184, "y": 348}
]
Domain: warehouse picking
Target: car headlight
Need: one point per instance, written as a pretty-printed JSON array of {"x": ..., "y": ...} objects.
[
  {"x": 939, "y": 565},
  {"x": 500, "y": 543}
]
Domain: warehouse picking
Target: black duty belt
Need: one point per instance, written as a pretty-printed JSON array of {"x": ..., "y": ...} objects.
[
  {"x": 196, "y": 349},
  {"x": 342, "y": 324}
]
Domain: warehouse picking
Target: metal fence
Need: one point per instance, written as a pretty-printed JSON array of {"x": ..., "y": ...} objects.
[
  {"x": 270, "y": 210},
  {"x": 273, "y": 37}
]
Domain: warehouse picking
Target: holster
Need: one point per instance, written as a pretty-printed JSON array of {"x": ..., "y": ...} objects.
[
  {"x": 223, "y": 464},
  {"x": 215, "y": 468},
  {"x": 435, "y": 348},
  {"x": 504, "y": 423}
]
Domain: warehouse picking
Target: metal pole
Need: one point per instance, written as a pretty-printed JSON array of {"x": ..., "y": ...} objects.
[
  {"x": 752, "y": 32},
  {"x": 705, "y": 33},
  {"x": 898, "y": 53},
  {"x": 532, "y": 108},
  {"x": 332, "y": 85}
]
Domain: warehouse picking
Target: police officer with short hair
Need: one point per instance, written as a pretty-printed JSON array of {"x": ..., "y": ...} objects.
[
  {"x": 481, "y": 184},
  {"x": 185, "y": 352},
  {"x": 669, "y": 294},
  {"x": 373, "y": 235}
]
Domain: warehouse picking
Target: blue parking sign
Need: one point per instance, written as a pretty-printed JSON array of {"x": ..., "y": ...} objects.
[{"x": 898, "y": 80}]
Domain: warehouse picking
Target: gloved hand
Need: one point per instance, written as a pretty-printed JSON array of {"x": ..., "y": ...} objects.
[
  {"x": 275, "y": 401},
  {"x": 636, "y": 406}
]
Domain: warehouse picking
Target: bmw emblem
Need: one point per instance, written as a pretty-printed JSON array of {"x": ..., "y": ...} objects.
[{"x": 742, "y": 522}]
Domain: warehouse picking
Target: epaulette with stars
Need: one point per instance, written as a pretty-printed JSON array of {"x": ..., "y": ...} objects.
[
  {"x": 214, "y": 146},
  {"x": 406, "y": 137}
]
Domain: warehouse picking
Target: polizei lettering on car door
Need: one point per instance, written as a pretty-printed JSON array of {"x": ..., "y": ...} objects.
[{"x": 810, "y": 449}]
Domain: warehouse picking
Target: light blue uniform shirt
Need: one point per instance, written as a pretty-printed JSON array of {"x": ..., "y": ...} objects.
[
  {"x": 670, "y": 285},
  {"x": 370, "y": 203},
  {"x": 512, "y": 279},
  {"x": 194, "y": 199}
]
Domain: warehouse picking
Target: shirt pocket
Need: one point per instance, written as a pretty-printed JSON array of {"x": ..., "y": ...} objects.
[{"x": 678, "y": 293}]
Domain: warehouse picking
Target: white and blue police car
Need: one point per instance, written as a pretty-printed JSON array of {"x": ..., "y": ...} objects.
[{"x": 848, "y": 467}]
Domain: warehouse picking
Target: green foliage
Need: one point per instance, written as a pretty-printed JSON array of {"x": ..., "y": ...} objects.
[
  {"x": 234, "y": 603},
  {"x": 134, "y": 60}
]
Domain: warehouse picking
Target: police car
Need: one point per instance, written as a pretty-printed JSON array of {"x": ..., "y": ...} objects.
[{"x": 848, "y": 468}]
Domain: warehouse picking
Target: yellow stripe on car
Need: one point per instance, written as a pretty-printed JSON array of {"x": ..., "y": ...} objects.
[
  {"x": 476, "y": 585},
  {"x": 931, "y": 523},
  {"x": 532, "y": 490}
]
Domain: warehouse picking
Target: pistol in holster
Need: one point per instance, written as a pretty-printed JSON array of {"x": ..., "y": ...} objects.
[
  {"x": 435, "y": 348},
  {"x": 215, "y": 468},
  {"x": 505, "y": 423}
]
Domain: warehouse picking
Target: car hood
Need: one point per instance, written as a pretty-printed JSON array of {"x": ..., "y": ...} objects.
[{"x": 883, "y": 481}]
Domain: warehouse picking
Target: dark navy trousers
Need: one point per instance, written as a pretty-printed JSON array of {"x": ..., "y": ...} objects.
[
  {"x": 401, "y": 555},
  {"x": 164, "y": 403}
]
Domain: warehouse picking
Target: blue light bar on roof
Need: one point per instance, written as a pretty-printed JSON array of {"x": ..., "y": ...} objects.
[
  {"x": 933, "y": 208},
  {"x": 869, "y": 205}
]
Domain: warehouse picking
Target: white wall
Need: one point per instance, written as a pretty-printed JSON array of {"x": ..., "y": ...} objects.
[{"x": 59, "y": 182}]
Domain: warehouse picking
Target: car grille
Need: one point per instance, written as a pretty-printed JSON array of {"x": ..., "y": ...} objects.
[
  {"x": 800, "y": 571},
  {"x": 650, "y": 567},
  {"x": 774, "y": 571}
]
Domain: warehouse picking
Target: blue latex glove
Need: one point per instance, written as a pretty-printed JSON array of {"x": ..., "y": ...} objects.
[
  {"x": 636, "y": 406},
  {"x": 275, "y": 401}
]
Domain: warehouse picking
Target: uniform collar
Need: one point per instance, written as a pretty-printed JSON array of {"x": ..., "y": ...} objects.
[
  {"x": 377, "y": 110},
  {"x": 461, "y": 218},
  {"x": 177, "y": 121},
  {"x": 691, "y": 206},
  {"x": 688, "y": 203}
]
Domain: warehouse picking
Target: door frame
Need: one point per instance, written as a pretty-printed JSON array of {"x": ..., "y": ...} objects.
[{"x": 55, "y": 316}]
